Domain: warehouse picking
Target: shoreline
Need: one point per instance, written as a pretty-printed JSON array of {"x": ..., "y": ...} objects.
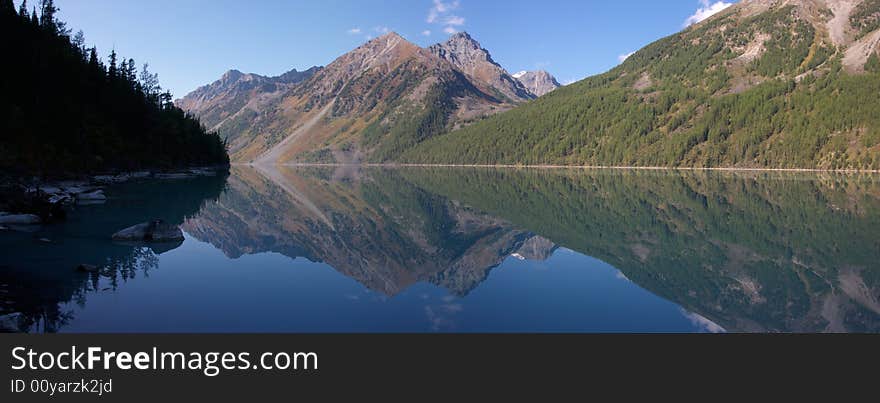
[
  {"x": 37, "y": 201},
  {"x": 579, "y": 167}
]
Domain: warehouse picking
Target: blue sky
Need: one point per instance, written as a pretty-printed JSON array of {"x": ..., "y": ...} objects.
[{"x": 192, "y": 42}]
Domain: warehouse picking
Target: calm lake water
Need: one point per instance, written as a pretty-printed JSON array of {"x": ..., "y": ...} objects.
[{"x": 461, "y": 250}]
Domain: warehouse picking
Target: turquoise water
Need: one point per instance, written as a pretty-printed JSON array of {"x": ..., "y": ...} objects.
[{"x": 461, "y": 250}]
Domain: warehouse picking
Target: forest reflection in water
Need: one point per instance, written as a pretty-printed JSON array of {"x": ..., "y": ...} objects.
[{"x": 735, "y": 251}]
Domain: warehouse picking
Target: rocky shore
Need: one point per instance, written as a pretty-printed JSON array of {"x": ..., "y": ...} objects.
[{"x": 26, "y": 202}]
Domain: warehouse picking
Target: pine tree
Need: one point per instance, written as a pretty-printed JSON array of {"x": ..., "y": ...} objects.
[
  {"x": 79, "y": 41},
  {"x": 166, "y": 100},
  {"x": 22, "y": 10},
  {"x": 150, "y": 84},
  {"x": 128, "y": 72},
  {"x": 113, "y": 71},
  {"x": 93, "y": 57},
  {"x": 47, "y": 15}
]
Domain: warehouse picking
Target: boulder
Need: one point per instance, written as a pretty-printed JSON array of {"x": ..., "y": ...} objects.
[
  {"x": 19, "y": 219},
  {"x": 60, "y": 198},
  {"x": 92, "y": 196},
  {"x": 153, "y": 231}
]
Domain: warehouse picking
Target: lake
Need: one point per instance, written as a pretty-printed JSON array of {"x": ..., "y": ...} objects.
[{"x": 370, "y": 249}]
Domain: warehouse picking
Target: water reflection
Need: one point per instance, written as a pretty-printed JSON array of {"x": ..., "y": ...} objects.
[
  {"x": 749, "y": 251},
  {"x": 372, "y": 226},
  {"x": 38, "y": 269},
  {"x": 753, "y": 251}
]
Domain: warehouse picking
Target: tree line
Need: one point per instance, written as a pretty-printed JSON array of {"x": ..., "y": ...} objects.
[{"x": 64, "y": 110}]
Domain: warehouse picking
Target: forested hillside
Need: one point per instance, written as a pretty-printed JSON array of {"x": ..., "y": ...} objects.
[
  {"x": 65, "y": 111},
  {"x": 759, "y": 85}
]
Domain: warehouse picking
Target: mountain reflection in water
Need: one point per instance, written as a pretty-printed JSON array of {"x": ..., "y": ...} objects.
[{"x": 696, "y": 251}]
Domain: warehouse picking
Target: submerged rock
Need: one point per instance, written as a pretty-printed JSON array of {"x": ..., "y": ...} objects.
[
  {"x": 9, "y": 323},
  {"x": 176, "y": 175},
  {"x": 19, "y": 219},
  {"x": 93, "y": 197},
  {"x": 153, "y": 231}
]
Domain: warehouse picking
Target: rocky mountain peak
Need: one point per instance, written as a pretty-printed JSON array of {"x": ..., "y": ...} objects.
[
  {"x": 467, "y": 55},
  {"x": 232, "y": 75},
  {"x": 463, "y": 51},
  {"x": 538, "y": 82}
]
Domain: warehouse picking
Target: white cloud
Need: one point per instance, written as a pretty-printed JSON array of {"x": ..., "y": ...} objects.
[
  {"x": 426, "y": 32},
  {"x": 454, "y": 20},
  {"x": 354, "y": 31},
  {"x": 706, "y": 10},
  {"x": 382, "y": 29},
  {"x": 623, "y": 57},
  {"x": 440, "y": 9},
  {"x": 441, "y": 13}
]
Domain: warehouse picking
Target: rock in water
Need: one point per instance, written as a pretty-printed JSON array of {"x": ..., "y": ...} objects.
[
  {"x": 9, "y": 323},
  {"x": 92, "y": 196},
  {"x": 153, "y": 231},
  {"x": 19, "y": 219}
]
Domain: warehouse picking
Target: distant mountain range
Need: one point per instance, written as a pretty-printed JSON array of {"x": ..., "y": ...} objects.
[
  {"x": 762, "y": 84},
  {"x": 369, "y": 105}
]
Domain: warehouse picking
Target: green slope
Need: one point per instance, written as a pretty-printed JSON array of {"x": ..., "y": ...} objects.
[{"x": 693, "y": 99}]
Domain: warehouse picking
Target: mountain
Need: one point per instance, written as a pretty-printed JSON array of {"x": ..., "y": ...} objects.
[
  {"x": 467, "y": 55},
  {"x": 762, "y": 84},
  {"x": 369, "y": 105},
  {"x": 64, "y": 112},
  {"x": 236, "y": 93},
  {"x": 370, "y": 225},
  {"x": 539, "y": 82}
]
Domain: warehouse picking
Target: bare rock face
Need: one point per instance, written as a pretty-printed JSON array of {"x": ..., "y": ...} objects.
[
  {"x": 236, "y": 92},
  {"x": 153, "y": 231},
  {"x": 466, "y": 54},
  {"x": 538, "y": 82}
]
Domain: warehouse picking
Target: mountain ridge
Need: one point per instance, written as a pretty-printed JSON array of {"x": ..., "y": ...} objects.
[
  {"x": 384, "y": 96},
  {"x": 763, "y": 84}
]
